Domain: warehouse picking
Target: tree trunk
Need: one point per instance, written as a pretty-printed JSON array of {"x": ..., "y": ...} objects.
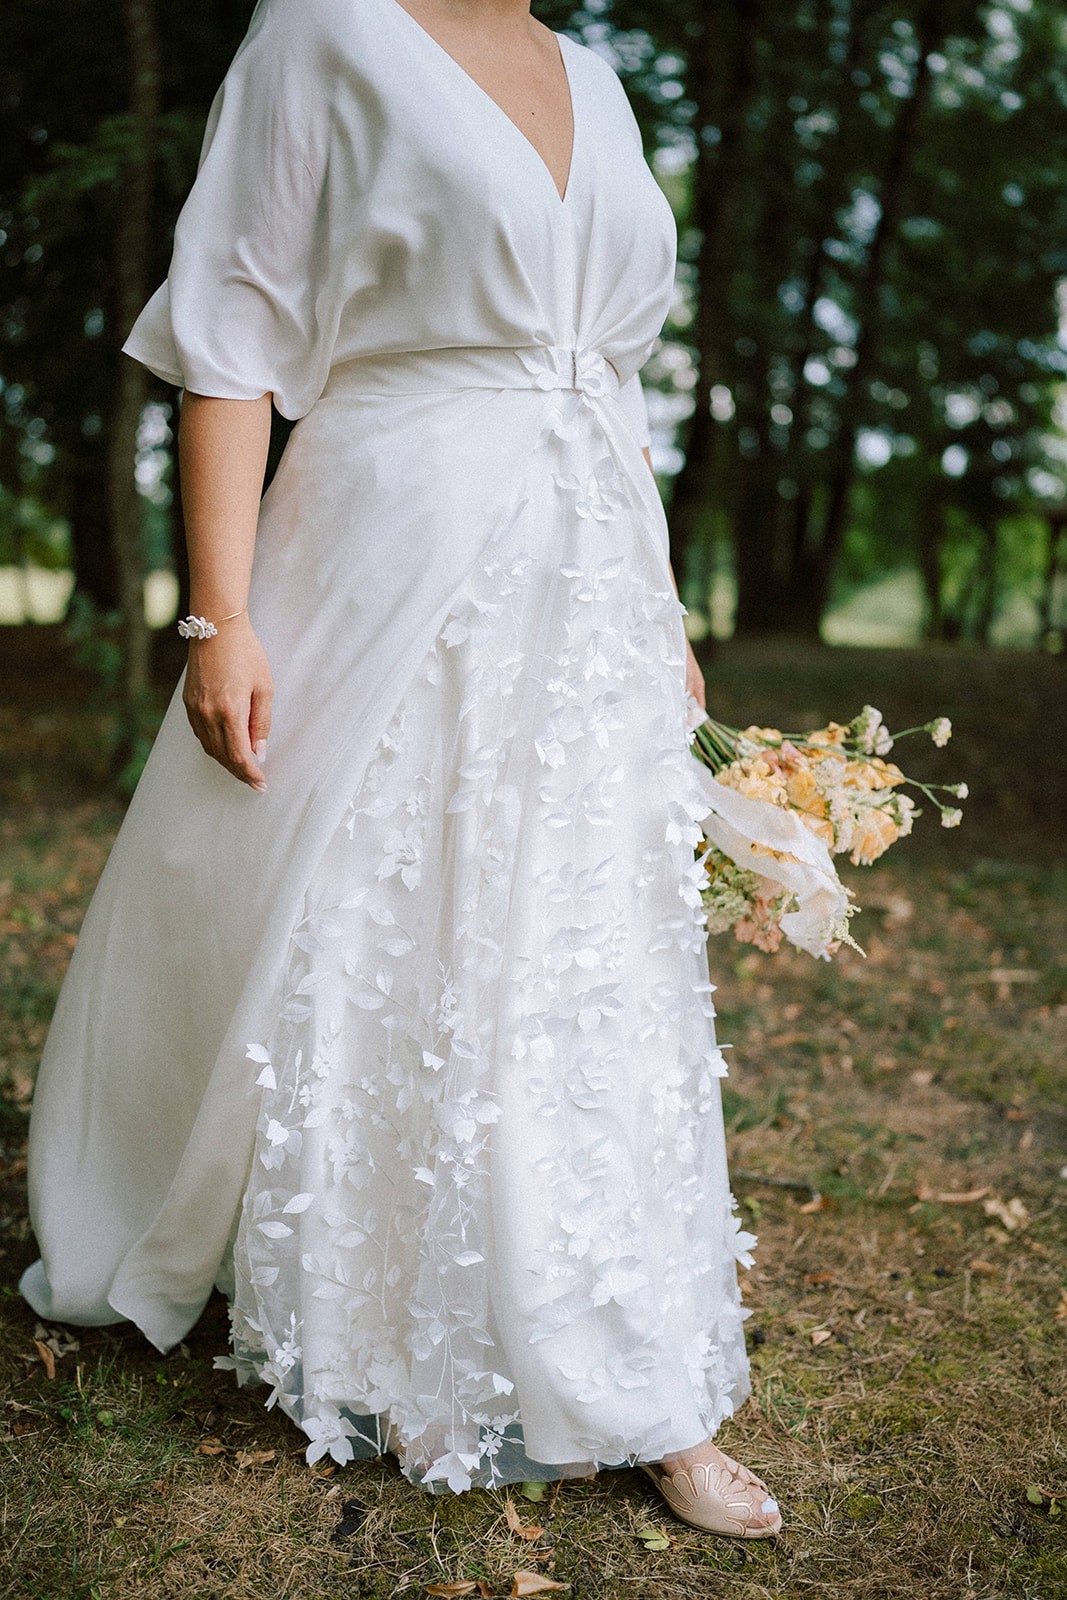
[
  {"x": 1050, "y": 620},
  {"x": 757, "y": 506},
  {"x": 92, "y": 550},
  {"x": 816, "y": 574},
  {"x": 930, "y": 570},
  {"x": 131, "y": 287},
  {"x": 714, "y": 185},
  {"x": 987, "y": 582}
]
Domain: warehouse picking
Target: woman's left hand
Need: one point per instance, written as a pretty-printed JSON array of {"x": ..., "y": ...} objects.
[{"x": 694, "y": 678}]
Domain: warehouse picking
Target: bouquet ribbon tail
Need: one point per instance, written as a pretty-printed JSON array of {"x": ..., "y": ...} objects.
[{"x": 746, "y": 830}]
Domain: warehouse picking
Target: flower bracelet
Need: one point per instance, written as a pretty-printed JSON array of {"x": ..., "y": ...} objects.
[{"x": 201, "y": 628}]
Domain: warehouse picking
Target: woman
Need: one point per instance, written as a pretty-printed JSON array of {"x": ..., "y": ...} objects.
[{"x": 405, "y": 1038}]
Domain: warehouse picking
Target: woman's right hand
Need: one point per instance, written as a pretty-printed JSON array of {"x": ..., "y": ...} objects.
[{"x": 227, "y": 696}]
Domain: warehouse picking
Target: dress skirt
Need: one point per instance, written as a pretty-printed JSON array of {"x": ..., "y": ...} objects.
[{"x": 426, "y": 1072}]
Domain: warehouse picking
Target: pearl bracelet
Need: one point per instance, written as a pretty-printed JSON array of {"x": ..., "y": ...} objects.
[{"x": 201, "y": 628}]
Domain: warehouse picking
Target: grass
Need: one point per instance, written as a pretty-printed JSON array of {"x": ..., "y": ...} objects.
[{"x": 909, "y": 1346}]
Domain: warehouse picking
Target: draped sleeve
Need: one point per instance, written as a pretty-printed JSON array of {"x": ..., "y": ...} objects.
[{"x": 247, "y": 306}]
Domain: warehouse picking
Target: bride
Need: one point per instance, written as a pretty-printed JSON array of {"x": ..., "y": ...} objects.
[{"x": 390, "y": 1015}]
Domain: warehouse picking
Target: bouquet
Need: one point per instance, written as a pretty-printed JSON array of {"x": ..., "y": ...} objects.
[{"x": 781, "y": 805}]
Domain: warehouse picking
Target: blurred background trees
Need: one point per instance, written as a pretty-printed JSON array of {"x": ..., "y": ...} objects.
[{"x": 858, "y": 401}]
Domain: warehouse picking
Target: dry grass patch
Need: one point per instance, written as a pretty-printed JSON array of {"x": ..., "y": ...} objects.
[{"x": 897, "y": 1132}]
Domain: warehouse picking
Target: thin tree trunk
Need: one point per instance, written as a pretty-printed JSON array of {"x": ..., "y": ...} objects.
[
  {"x": 131, "y": 278},
  {"x": 91, "y": 546},
  {"x": 757, "y": 594},
  {"x": 987, "y": 584},
  {"x": 1055, "y": 565},
  {"x": 816, "y": 574},
  {"x": 930, "y": 569},
  {"x": 714, "y": 186}
]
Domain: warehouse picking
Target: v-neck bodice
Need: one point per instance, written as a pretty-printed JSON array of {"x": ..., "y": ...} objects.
[
  {"x": 485, "y": 94},
  {"x": 357, "y": 196}
]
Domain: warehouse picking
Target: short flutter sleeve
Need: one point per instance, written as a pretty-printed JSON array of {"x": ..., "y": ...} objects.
[{"x": 245, "y": 308}]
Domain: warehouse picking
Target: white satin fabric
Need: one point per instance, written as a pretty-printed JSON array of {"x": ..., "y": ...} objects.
[{"x": 414, "y": 1053}]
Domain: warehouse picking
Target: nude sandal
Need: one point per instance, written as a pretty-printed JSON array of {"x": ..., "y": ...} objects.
[{"x": 714, "y": 1497}]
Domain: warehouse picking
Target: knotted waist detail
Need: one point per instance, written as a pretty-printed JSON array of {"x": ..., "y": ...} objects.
[{"x": 476, "y": 367}]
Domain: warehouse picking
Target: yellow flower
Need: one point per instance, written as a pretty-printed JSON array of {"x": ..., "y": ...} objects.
[
  {"x": 874, "y": 832},
  {"x": 759, "y": 849},
  {"x": 889, "y": 774},
  {"x": 820, "y": 826},
  {"x": 804, "y": 793},
  {"x": 833, "y": 734},
  {"x": 755, "y": 778}
]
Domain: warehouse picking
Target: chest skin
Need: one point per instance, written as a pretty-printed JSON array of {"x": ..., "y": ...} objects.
[{"x": 517, "y": 64}]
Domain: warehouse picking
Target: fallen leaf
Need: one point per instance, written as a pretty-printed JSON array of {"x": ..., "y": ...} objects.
[
  {"x": 211, "y": 1447},
  {"x": 254, "y": 1458},
  {"x": 654, "y": 1538},
  {"x": 525, "y": 1582},
  {"x": 1018, "y": 1114},
  {"x": 951, "y": 1197},
  {"x": 533, "y": 1490},
  {"x": 781, "y": 1040},
  {"x": 532, "y": 1530},
  {"x": 447, "y": 1589},
  {"x": 820, "y": 1335},
  {"x": 1012, "y": 1214},
  {"x": 818, "y": 1277},
  {"x": 922, "y": 1078},
  {"x": 1047, "y": 1499},
  {"x": 47, "y": 1356},
  {"x": 985, "y": 1268},
  {"x": 1061, "y": 1310},
  {"x": 818, "y": 1202}
]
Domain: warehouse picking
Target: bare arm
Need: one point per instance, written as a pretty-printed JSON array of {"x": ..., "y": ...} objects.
[
  {"x": 694, "y": 678},
  {"x": 222, "y": 451}
]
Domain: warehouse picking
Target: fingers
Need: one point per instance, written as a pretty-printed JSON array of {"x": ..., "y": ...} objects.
[
  {"x": 227, "y": 694},
  {"x": 223, "y": 731},
  {"x": 259, "y": 719}
]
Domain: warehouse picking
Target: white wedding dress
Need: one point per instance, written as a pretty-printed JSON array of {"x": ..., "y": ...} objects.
[{"x": 414, "y": 1054}]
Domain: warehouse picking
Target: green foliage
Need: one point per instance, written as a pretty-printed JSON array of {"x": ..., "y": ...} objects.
[
  {"x": 884, "y": 183},
  {"x": 889, "y": 181},
  {"x": 94, "y": 637}
]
